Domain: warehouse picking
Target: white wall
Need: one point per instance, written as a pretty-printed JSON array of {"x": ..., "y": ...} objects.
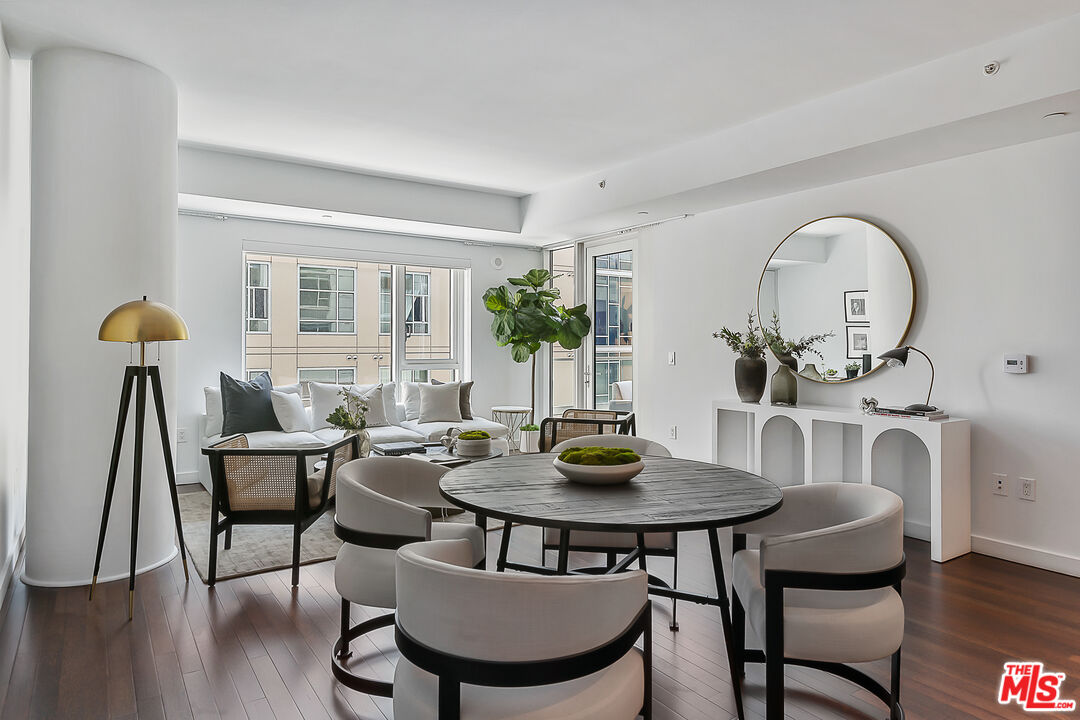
[
  {"x": 992, "y": 238},
  {"x": 211, "y": 302},
  {"x": 14, "y": 302}
]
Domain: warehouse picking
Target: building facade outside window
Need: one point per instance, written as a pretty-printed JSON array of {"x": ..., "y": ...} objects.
[
  {"x": 257, "y": 302},
  {"x": 385, "y": 302},
  {"x": 327, "y": 300},
  {"x": 417, "y": 303},
  {"x": 340, "y": 376}
]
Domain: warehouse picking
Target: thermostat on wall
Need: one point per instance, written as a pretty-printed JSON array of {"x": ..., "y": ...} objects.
[{"x": 1016, "y": 364}]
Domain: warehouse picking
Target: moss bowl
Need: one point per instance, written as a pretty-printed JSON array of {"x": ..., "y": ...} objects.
[{"x": 598, "y": 466}]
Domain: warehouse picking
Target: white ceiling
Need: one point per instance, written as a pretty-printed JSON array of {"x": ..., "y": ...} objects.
[{"x": 512, "y": 96}]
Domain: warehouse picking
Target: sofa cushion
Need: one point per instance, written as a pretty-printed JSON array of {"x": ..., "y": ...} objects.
[
  {"x": 440, "y": 403},
  {"x": 246, "y": 406},
  {"x": 434, "y": 431},
  {"x": 212, "y": 396},
  {"x": 466, "y": 398},
  {"x": 275, "y": 439},
  {"x": 290, "y": 411},
  {"x": 326, "y": 397},
  {"x": 410, "y": 396},
  {"x": 383, "y": 434}
]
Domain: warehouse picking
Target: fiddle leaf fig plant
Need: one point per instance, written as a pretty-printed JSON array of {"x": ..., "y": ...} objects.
[{"x": 527, "y": 317}]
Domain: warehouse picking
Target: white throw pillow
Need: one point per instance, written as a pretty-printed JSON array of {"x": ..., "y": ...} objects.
[
  {"x": 440, "y": 403},
  {"x": 390, "y": 406},
  {"x": 325, "y": 398},
  {"x": 214, "y": 414},
  {"x": 290, "y": 412},
  {"x": 412, "y": 400},
  {"x": 376, "y": 412}
]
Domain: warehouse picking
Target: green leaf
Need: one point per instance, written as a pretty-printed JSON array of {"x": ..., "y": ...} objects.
[
  {"x": 520, "y": 352},
  {"x": 519, "y": 282},
  {"x": 568, "y": 338},
  {"x": 537, "y": 277}
]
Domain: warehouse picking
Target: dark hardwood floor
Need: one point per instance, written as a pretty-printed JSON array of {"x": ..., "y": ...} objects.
[{"x": 255, "y": 647}]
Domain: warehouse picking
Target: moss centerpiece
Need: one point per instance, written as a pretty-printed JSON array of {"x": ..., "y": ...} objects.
[
  {"x": 473, "y": 443},
  {"x": 598, "y": 465}
]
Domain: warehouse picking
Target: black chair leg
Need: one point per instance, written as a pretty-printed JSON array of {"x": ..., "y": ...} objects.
[
  {"x": 895, "y": 713},
  {"x": 774, "y": 654},
  {"x": 296, "y": 555},
  {"x": 345, "y": 652},
  {"x": 228, "y": 537},
  {"x": 738, "y": 633},
  {"x": 674, "y": 626},
  {"x": 212, "y": 569}
]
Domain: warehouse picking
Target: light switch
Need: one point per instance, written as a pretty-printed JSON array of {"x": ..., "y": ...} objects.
[{"x": 671, "y": 358}]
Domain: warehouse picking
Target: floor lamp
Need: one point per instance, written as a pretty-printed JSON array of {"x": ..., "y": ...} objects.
[{"x": 140, "y": 321}]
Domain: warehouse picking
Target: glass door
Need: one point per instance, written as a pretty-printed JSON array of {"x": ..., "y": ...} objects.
[{"x": 610, "y": 351}]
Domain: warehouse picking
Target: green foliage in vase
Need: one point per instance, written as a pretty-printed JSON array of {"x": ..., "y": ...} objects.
[
  {"x": 794, "y": 348},
  {"x": 351, "y": 415},
  {"x": 530, "y": 427},
  {"x": 748, "y": 345},
  {"x": 598, "y": 456},
  {"x": 474, "y": 435},
  {"x": 528, "y": 317},
  {"x": 852, "y": 366}
]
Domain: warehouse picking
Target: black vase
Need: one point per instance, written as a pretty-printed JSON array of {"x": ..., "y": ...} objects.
[
  {"x": 790, "y": 361},
  {"x": 750, "y": 376}
]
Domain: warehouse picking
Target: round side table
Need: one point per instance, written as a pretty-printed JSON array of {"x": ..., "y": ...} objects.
[{"x": 513, "y": 417}]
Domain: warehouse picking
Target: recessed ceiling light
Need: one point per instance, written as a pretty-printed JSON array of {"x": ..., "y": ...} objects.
[{"x": 1047, "y": 116}]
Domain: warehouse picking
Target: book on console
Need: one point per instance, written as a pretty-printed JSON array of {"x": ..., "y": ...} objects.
[{"x": 888, "y": 412}]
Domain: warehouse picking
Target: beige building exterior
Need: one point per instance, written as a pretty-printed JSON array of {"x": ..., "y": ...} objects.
[{"x": 330, "y": 320}]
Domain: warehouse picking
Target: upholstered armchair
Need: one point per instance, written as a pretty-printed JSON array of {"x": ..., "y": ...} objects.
[
  {"x": 384, "y": 503},
  {"x": 271, "y": 486},
  {"x": 663, "y": 544},
  {"x": 481, "y": 644},
  {"x": 579, "y": 422},
  {"x": 821, "y": 586}
]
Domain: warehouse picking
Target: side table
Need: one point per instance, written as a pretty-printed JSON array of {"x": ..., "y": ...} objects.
[{"x": 513, "y": 417}]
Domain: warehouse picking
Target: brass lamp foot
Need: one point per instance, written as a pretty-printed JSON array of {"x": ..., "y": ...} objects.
[
  {"x": 92, "y": 584},
  {"x": 131, "y": 604}
]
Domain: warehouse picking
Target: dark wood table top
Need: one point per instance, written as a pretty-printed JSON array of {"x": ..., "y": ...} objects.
[{"x": 670, "y": 494}]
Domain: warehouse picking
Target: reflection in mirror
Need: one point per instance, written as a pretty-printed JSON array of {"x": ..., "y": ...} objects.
[{"x": 843, "y": 276}]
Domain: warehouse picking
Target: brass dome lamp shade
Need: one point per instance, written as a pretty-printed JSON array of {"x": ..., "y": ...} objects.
[{"x": 140, "y": 321}]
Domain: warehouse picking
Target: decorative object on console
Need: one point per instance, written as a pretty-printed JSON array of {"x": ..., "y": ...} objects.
[
  {"x": 858, "y": 341},
  {"x": 810, "y": 372},
  {"x": 598, "y": 465},
  {"x": 852, "y": 370},
  {"x": 818, "y": 264},
  {"x": 855, "y": 310},
  {"x": 140, "y": 321},
  {"x": 784, "y": 389},
  {"x": 527, "y": 318},
  {"x": 751, "y": 370},
  {"x": 351, "y": 416},
  {"x": 831, "y": 375},
  {"x": 789, "y": 351},
  {"x": 867, "y": 360},
  {"x": 898, "y": 357},
  {"x": 529, "y": 438},
  {"x": 869, "y": 405}
]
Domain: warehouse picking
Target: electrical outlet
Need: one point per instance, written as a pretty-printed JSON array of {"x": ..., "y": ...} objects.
[
  {"x": 673, "y": 432},
  {"x": 999, "y": 484},
  {"x": 181, "y": 435},
  {"x": 1027, "y": 489}
]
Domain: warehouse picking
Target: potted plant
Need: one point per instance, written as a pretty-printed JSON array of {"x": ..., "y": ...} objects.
[
  {"x": 473, "y": 443},
  {"x": 852, "y": 369},
  {"x": 351, "y": 416},
  {"x": 529, "y": 441},
  {"x": 598, "y": 465},
  {"x": 751, "y": 370},
  {"x": 789, "y": 351},
  {"x": 528, "y": 317}
]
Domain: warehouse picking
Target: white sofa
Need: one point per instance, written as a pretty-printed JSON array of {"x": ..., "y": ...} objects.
[{"x": 398, "y": 429}]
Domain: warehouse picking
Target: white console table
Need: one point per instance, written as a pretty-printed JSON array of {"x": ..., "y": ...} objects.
[{"x": 830, "y": 443}]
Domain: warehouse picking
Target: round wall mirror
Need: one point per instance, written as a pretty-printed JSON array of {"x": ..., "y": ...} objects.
[{"x": 835, "y": 294}]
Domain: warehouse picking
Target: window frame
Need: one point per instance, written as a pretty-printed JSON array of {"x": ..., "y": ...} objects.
[
  {"x": 300, "y": 267},
  {"x": 337, "y": 374},
  {"x": 425, "y": 305},
  {"x": 248, "y": 304},
  {"x": 390, "y": 297}
]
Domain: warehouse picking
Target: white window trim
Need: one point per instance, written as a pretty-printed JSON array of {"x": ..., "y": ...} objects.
[
  {"x": 248, "y": 287},
  {"x": 335, "y": 268}
]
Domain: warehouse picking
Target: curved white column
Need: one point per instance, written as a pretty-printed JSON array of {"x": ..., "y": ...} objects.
[{"x": 103, "y": 213}]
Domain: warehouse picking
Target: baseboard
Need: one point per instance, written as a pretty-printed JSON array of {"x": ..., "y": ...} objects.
[
  {"x": 10, "y": 564},
  {"x": 1014, "y": 552},
  {"x": 187, "y": 478},
  {"x": 917, "y": 530}
]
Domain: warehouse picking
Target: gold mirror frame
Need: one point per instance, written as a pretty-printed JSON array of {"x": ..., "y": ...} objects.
[{"x": 911, "y": 279}]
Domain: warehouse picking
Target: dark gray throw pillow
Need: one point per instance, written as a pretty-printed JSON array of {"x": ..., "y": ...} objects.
[
  {"x": 465, "y": 398},
  {"x": 246, "y": 406}
]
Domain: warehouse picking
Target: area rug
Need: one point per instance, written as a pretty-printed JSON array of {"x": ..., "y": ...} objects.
[{"x": 262, "y": 548}]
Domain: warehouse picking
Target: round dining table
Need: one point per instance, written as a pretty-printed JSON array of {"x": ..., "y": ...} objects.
[{"x": 669, "y": 495}]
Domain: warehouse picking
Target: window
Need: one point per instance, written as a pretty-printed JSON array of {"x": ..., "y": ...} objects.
[
  {"x": 257, "y": 308},
  {"x": 327, "y": 302},
  {"x": 385, "y": 302},
  {"x": 339, "y": 376},
  {"x": 252, "y": 374},
  {"x": 417, "y": 303}
]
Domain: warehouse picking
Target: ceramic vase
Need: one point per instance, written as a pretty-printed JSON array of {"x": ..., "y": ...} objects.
[
  {"x": 810, "y": 372},
  {"x": 530, "y": 441},
  {"x": 785, "y": 387},
  {"x": 789, "y": 361},
  {"x": 364, "y": 439},
  {"x": 751, "y": 374}
]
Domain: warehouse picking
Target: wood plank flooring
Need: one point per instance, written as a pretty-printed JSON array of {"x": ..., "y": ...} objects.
[{"x": 257, "y": 648}]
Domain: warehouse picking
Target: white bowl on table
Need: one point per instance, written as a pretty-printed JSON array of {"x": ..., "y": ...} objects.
[{"x": 598, "y": 474}]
